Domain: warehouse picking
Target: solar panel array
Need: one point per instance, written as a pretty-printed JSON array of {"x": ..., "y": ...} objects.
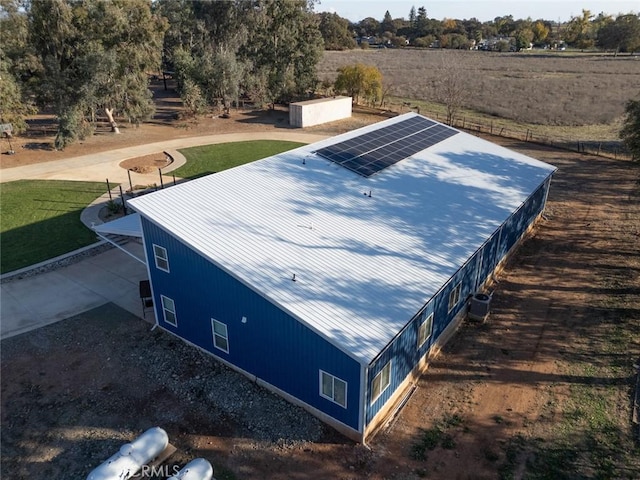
[{"x": 376, "y": 150}]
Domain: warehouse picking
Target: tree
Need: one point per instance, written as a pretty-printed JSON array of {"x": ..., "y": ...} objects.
[
  {"x": 13, "y": 107},
  {"x": 453, "y": 87},
  {"x": 540, "y": 32},
  {"x": 335, "y": 32},
  {"x": 360, "y": 81},
  {"x": 387, "y": 24},
  {"x": 412, "y": 17},
  {"x": 368, "y": 27},
  {"x": 630, "y": 133},
  {"x": 579, "y": 32},
  {"x": 621, "y": 35},
  {"x": 16, "y": 61},
  {"x": 284, "y": 47},
  {"x": 421, "y": 22},
  {"x": 96, "y": 54}
]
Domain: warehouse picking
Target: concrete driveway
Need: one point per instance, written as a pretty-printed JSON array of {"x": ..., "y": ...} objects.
[{"x": 39, "y": 300}]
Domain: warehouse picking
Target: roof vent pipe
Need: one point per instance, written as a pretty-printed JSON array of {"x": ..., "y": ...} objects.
[{"x": 294, "y": 277}]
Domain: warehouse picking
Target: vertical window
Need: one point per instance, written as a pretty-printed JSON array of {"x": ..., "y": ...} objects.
[
  {"x": 220, "y": 335},
  {"x": 454, "y": 296},
  {"x": 424, "y": 331},
  {"x": 162, "y": 259},
  {"x": 169, "y": 311},
  {"x": 333, "y": 388},
  {"x": 380, "y": 382}
]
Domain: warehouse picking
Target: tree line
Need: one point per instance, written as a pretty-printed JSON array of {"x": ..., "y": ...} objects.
[
  {"x": 618, "y": 33},
  {"x": 81, "y": 58}
]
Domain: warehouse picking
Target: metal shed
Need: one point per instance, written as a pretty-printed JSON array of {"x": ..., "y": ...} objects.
[{"x": 330, "y": 272}]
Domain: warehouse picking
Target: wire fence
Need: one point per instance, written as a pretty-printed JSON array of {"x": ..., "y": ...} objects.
[{"x": 606, "y": 148}]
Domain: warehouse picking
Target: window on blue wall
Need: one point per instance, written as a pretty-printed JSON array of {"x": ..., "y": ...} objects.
[
  {"x": 220, "y": 335},
  {"x": 380, "y": 382},
  {"x": 169, "y": 311},
  {"x": 424, "y": 331},
  {"x": 162, "y": 259},
  {"x": 454, "y": 296},
  {"x": 333, "y": 388}
]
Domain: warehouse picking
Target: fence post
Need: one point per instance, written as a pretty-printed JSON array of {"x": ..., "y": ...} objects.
[
  {"x": 124, "y": 204},
  {"x": 599, "y": 147},
  {"x": 174, "y": 179},
  {"x": 491, "y": 127},
  {"x": 160, "y": 173},
  {"x": 109, "y": 190},
  {"x": 130, "y": 184}
]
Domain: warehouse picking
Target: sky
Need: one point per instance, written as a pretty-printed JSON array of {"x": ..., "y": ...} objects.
[{"x": 483, "y": 10}]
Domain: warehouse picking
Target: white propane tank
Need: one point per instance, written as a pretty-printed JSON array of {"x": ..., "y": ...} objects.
[
  {"x": 198, "y": 469},
  {"x": 132, "y": 456}
]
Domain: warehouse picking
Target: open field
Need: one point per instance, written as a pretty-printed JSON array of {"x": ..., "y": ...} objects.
[
  {"x": 542, "y": 390},
  {"x": 529, "y": 88}
]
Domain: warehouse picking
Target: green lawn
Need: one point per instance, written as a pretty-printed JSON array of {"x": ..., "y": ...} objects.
[
  {"x": 214, "y": 158},
  {"x": 41, "y": 220}
]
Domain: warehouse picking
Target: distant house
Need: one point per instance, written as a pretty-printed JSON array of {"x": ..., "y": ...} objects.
[{"x": 331, "y": 272}]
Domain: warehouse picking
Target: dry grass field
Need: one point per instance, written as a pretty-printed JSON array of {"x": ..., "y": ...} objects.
[{"x": 556, "y": 90}]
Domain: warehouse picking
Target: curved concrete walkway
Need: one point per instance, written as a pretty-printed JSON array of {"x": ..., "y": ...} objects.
[
  {"x": 96, "y": 167},
  {"x": 111, "y": 276}
]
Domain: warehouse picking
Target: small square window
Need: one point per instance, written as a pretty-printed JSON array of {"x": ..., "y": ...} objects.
[
  {"x": 220, "y": 335},
  {"x": 380, "y": 382},
  {"x": 333, "y": 388},
  {"x": 161, "y": 258},
  {"x": 424, "y": 331},
  {"x": 169, "y": 311},
  {"x": 454, "y": 296}
]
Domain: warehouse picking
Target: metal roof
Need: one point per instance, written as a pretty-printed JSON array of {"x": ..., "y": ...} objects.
[
  {"x": 129, "y": 225},
  {"x": 367, "y": 253}
]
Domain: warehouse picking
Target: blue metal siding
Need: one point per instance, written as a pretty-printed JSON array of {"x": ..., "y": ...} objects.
[
  {"x": 403, "y": 352},
  {"x": 517, "y": 224},
  {"x": 271, "y": 345}
]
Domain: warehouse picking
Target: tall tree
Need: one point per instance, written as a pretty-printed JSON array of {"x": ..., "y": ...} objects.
[
  {"x": 630, "y": 132},
  {"x": 421, "y": 22},
  {"x": 335, "y": 32},
  {"x": 285, "y": 45},
  {"x": 387, "y": 24},
  {"x": 17, "y": 62},
  {"x": 621, "y": 35},
  {"x": 412, "y": 17},
  {"x": 95, "y": 55},
  {"x": 579, "y": 32}
]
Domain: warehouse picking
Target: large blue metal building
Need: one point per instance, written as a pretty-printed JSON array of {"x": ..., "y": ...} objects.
[{"x": 329, "y": 273}]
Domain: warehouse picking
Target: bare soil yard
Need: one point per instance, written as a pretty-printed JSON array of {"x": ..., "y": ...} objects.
[
  {"x": 525, "y": 87},
  {"x": 543, "y": 390}
]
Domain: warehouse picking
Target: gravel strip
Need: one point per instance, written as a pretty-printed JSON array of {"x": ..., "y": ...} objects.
[{"x": 56, "y": 264}]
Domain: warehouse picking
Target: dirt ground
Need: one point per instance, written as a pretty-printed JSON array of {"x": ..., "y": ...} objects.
[{"x": 64, "y": 406}]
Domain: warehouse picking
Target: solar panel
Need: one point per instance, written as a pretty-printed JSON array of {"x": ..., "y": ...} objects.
[{"x": 374, "y": 151}]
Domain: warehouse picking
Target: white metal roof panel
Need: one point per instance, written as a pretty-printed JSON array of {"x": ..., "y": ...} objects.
[
  {"x": 364, "y": 265},
  {"x": 129, "y": 225}
]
